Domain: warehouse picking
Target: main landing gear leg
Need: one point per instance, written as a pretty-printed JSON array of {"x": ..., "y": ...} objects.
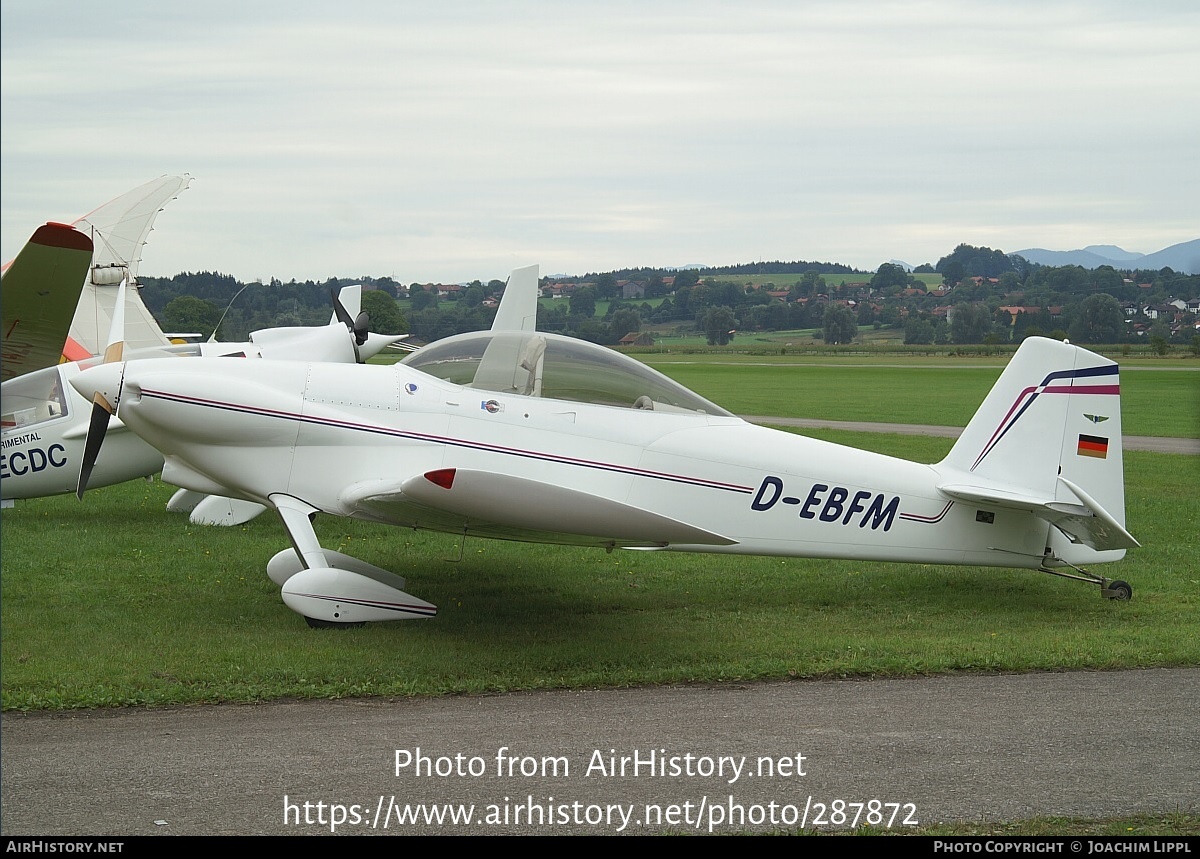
[{"x": 330, "y": 589}]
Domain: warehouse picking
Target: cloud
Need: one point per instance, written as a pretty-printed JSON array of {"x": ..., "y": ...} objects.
[{"x": 451, "y": 140}]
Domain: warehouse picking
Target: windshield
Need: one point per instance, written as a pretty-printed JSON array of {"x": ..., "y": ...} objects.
[
  {"x": 33, "y": 399},
  {"x": 537, "y": 364}
]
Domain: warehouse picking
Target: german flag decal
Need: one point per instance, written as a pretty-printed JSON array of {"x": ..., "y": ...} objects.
[{"x": 1093, "y": 445}]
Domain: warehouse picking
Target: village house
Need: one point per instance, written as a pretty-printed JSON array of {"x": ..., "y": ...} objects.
[
  {"x": 632, "y": 288},
  {"x": 637, "y": 338}
]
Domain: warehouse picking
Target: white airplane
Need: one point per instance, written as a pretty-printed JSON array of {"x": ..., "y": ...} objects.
[{"x": 520, "y": 435}]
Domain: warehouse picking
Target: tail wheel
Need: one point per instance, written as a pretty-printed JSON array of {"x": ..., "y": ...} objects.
[{"x": 1118, "y": 590}]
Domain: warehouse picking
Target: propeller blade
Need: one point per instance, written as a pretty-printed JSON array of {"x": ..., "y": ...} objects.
[
  {"x": 343, "y": 316},
  {"x": 102, "y": 410}
]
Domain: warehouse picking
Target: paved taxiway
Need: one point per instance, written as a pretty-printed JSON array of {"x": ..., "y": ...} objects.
[{"x": 969, "y": 747}]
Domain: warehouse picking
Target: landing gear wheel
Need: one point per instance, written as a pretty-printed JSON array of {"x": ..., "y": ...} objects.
[
  {"x": 1117, "y": 590},
  {"x": 331, "y": 624}
]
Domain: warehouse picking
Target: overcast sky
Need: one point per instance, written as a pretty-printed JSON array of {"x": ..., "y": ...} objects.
[{"x": 455, "y": 140}]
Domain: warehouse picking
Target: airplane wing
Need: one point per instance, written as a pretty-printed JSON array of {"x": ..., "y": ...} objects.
[
  {"x": 119, "y": 230},
  {"x": 1086, "y": 523},
  {"x": 41, "y": 288},
  {"x": 481, "y": 503}
]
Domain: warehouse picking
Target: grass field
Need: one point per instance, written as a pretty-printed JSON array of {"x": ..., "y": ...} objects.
[
  {"x": 115, "y": 602},
  {"x": 870, "y": 341},
  {"x": 1160, "y": 399}
]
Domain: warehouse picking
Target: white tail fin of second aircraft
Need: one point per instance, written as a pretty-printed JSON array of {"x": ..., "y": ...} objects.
[
  {"x": 1048, "y": 440},
  {"x": 518, "y": 307}
]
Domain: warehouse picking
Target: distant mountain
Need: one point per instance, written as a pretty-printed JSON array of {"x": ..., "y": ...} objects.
[
  {"x": 1084, "y": 258},
  {"x": 1113, "y": 252},
  {"x": 902, "y": 264},
  {"x": 1183, "y": 257}
]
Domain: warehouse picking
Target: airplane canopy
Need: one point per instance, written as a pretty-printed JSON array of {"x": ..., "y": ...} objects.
[{"x": 538, "y": 364}]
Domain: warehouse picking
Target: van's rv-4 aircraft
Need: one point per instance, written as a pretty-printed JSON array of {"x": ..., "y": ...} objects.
[{"x": 521, "y": 435}]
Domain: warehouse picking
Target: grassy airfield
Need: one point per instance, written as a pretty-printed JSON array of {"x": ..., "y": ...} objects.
[
  {"x": 113, "y": 601},
  {"x": 1158, "y": 398}
]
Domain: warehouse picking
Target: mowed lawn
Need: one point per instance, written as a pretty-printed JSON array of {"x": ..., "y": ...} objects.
[{"x": 1155, "y": 400}]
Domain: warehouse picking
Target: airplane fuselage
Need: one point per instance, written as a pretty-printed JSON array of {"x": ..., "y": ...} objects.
[
  {"x": 524, "y": 435},
  {"x": 372, "y": 442}
]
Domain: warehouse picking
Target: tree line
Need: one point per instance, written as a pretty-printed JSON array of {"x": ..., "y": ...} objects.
[{"x": 1087, "y": 305}]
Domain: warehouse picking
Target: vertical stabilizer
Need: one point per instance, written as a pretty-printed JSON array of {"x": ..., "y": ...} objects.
[
  {"x": 1050, "y": 429},
  {"x": 512, "y": 361},
  {"x": 518, "y": 307}
]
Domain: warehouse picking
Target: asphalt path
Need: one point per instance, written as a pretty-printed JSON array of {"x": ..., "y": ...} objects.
[
  {"x": 719, "y": 758},
  {"x": 1154, "y": 444}
]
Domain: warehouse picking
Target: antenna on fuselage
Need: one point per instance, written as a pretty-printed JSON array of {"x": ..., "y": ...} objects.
[{"x": 212, "y": 338}]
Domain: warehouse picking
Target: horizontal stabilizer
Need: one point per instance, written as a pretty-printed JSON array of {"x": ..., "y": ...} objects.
[
  {"x": 1087, "y": 523},
  {"x": 517, "y": 508}
]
